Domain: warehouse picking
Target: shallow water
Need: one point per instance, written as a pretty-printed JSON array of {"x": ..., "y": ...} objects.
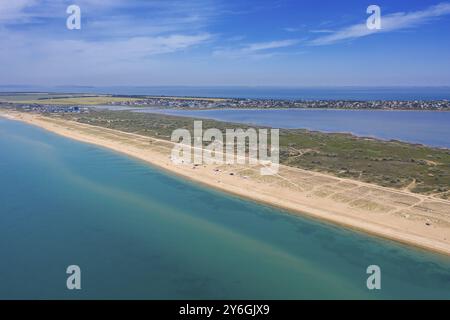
[{"x": 137, "y": 232}]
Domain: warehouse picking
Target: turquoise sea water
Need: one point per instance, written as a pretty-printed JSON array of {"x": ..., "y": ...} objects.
[{"x": 137, "y": 232}]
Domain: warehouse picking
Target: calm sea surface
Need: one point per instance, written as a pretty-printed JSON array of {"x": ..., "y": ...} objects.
[
  {"x": 258, "y": 92},
  {"x": 425, "y": 127},
  {"x": 137, "y": 232}
]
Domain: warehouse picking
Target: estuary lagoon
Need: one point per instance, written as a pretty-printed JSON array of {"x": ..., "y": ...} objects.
[
  {"x": 139, "y": 233},
  {"x": 425, "y": 127}
]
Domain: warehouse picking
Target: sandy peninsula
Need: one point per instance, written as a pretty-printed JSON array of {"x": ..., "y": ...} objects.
[{"x": 418, "y": 220}]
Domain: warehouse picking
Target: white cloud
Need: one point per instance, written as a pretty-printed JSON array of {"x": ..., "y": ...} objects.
[
  {"x": 270, "y": 45},
  {"x": 255, "y": 50},
  {"x": 133, "y": 48},
  {"x": 81, "y": 61},
  {"x": 321, "y": 31},
  {"x": 13, "y": 10},
  {"x": 26, "y": 11},
  {"x": 99, "y": 52},
  {"x": 390, "y": 22},
  {"x": 119, "y": 38}
]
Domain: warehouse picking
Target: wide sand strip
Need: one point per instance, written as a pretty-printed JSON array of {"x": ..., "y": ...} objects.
[{"x": 419, "y": 220}]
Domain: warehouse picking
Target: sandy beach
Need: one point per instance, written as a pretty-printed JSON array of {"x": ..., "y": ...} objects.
[{"x": 418, "y": 220}]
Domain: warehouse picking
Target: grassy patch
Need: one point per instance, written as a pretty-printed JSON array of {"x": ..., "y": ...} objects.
[{"x": 392, "y": 164}]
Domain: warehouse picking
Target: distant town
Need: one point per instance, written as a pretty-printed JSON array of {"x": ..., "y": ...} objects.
[
  {"x": 79, "y": 105},
  {"x": 42, "y": 108},
  {"x": 204, "y": 103}
]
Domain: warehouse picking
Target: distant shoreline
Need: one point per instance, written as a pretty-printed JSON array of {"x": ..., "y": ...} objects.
[{"x": 289, "y": 93}]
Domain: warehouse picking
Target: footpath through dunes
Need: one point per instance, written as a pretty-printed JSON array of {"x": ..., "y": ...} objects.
[{"x": 419, "y": 220}]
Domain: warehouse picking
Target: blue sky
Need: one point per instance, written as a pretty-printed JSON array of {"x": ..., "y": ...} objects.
[{"x": 225, "y": 42}]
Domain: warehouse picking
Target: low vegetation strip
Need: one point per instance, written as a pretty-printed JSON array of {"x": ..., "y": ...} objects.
[{"x": 394, "y": 164}]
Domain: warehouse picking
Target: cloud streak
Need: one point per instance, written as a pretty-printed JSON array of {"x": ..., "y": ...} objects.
[
  {"x": 14, "y": 10},
  {"x": 390, "y": 22},
  {"x": 256, "y": 50},
  {"x": 131, "y": 49}
]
